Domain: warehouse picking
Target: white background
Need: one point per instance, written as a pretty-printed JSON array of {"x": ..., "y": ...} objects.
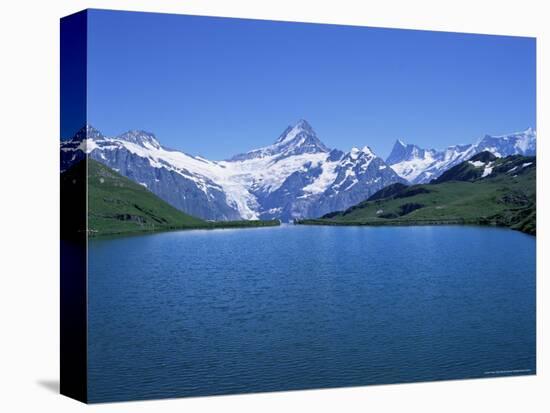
[{"x": 29, "y": 133}]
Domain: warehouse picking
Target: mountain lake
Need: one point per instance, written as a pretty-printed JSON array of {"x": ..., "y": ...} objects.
[{"x": 205, "y": 312}]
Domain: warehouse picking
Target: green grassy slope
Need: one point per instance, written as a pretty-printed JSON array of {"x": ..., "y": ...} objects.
[
  {"x": 506, "y": 197},
  {"x": 117, "y": 205}
]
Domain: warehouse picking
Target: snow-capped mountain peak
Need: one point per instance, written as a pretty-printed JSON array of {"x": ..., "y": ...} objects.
[
  {"x": 291, "y": 132},
  {"x": 405, "y": 152},
  {"x": 140, "y": 137},
  {"x": 409, "y": 160},
  {"x": 295, "y": 140},
  {"x": 365, "y": 152}
]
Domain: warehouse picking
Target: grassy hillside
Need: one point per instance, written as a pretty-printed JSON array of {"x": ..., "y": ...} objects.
[
  {"x": 504, "y": 197},
  {"x": 117, "y": 205}
]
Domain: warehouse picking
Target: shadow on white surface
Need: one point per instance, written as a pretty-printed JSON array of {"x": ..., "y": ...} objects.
[{"x": 51, "y": 385}]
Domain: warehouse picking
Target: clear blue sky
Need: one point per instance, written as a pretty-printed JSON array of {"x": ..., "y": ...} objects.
[{"x": 215, "y": 87}]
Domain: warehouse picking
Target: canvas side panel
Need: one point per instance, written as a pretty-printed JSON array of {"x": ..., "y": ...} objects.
[{"x": 73, "y": 166}]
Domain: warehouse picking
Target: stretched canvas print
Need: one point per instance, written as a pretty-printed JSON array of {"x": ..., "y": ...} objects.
[{"x": 252, "y": 206}]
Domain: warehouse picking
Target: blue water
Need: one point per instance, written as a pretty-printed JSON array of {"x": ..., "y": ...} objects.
[{"x": 229, "y": 311}]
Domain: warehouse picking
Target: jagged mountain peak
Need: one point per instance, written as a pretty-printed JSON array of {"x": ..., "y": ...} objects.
[
  {"x": 400, "y": 143},
  {"x": 365, "y": 151},
  {"x": 293, "y": 130},
  {"x": 299, "y": 134},
  {"x": 140, "y": 137},
  {"x": 402, "y": 151},
  {"x": 87, "y": 132},
  {"x": 295, "y": 140},
  {"x": 302, "y": 123}
]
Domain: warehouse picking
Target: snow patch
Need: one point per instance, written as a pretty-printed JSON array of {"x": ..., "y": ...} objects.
[
  {"x": 488, "y": 169},
  {"x": 323, "y": 181}
]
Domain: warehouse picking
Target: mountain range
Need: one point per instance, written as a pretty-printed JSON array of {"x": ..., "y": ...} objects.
[
  {"x": 484, "y": 190},
  {"x": 418, "y": 165},
  {"x": 296, "y": 177}
]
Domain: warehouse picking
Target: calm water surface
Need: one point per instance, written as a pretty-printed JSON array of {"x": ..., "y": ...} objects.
[{"x": 227, "y": 311}]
